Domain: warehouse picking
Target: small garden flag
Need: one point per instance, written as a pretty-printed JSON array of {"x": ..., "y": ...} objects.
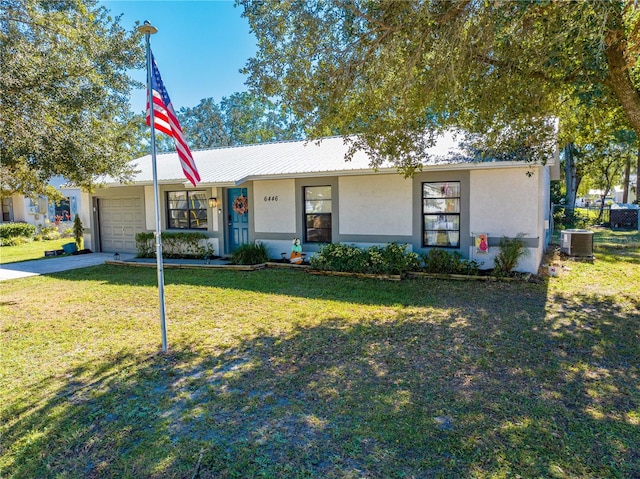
[{"x": 482, "y": 243}]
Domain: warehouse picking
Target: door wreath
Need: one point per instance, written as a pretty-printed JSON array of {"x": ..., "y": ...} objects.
[{"x": 240, "y": 205}]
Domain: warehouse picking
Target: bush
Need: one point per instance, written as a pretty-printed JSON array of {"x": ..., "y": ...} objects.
[
  {"x": 77, "y": 231},
  {"x": 340, "y": 257},
  {"x": 50, "y": 233},
  {"x": 13, "y": 241},
  {"x": 250, "y": 253},
  {"x": 562, "y": 220},
  {"x": 441, "y": 261},
  {"x": 390, "y": 259},
  {"x": 512, "y": 250},
  {"x": 174, "y": 245},
  {"x": 12, "y": 230},
  {"x": 145, "y": 245}
]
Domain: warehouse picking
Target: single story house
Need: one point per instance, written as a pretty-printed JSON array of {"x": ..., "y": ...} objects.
[
  {"x": 41, "y": 211},
  {"x": 275, "y": 192}
]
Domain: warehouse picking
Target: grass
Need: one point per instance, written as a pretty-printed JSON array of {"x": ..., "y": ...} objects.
[
  {"x": 277, "y": 373},
  {"x": 30, "y": 250}
]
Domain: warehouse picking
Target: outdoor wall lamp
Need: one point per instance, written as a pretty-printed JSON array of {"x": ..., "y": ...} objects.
[{"x": 213, "y": 202}]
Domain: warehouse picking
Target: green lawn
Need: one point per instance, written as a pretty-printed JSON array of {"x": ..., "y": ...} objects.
[
  {"x": 281, "y": 374},
  {"x": 31, "y": 250}
]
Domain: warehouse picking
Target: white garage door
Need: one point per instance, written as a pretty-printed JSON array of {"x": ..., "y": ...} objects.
[{"x": 120, "y": 220}]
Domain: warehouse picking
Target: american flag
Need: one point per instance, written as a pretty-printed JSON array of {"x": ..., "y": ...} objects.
[{"x": 165, "y": 120}]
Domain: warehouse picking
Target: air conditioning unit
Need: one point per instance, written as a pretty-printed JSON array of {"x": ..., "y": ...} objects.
[{"x": 576, "y": 242}]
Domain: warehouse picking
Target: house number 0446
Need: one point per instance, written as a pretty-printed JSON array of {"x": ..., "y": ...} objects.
[{"x": 270, "y": 198}]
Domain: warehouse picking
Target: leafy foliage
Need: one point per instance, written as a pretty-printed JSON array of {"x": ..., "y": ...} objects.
[
  {"x": 12, "y": 230},
  {"x": 48, "y": 233},
  {"x": 250, "y": 253},
  {"x": 174, "y": 245},
  {"x": 512, "y": 250},
  {"x": 438, "y": 260},
  {"x": 78, "y": 230},
  {"x": 390, "y": 259},
  {"x": 564, "y": 218},
  {"x": 389, "y": 71},
  {"x": 241, "y": 119},
  {"x": 340, "y": 257},
  {"x": 64, "y": 93}
]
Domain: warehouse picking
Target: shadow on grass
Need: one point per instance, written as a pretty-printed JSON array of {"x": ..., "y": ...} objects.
[
  {"x": 489, "y": 389},
  {"x": 615, "y": 255},
  {"x": 304, "y": 285}
]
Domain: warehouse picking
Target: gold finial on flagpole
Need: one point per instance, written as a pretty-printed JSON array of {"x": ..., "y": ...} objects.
[{"x": 147, "y": 28}]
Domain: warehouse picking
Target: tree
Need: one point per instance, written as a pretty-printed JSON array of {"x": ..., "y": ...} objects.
[
  {"x": 203, "y": 125},
  {"x": 64, "y": 93},
  {"x": 250, "y": 118},
  {"x": 391, "y": 71},
  {"x": 241, "y": 119},
  {"x": 573, "y": 176},
  {"x": 589, "y": 123},
  {"x": 78, "y": 231},
  {"x": 606, "y": 166}
]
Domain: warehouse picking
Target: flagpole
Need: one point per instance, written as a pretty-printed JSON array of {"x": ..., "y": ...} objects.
[{"x": 149, "y": 30}]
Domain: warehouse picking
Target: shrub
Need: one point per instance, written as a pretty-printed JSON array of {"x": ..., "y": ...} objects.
[
  {"x": 340, "y": 257},
  {"x": 441, "y": 261},
  {"x": 12, "y": 230},
  {"x": 174, "y": 245},
  {"x": 562, "y": 220},
  {"x": 250, "y": 253},
  {"x": 390, "y": 259},
  {"x": 50, "y": 232},
  {"x": 512, "y": 250},
  {"x": 145, "y": 245},
  {"x": 437, "y": 261},
  {"x": 13, "y": 241},
  {"x": 77, "y": 231}
]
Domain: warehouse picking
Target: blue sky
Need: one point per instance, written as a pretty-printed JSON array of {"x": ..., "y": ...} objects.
[{"x": 199, "y": 47}]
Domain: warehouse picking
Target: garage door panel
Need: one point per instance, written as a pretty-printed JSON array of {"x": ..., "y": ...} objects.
[{"x": 120, "y": 220}]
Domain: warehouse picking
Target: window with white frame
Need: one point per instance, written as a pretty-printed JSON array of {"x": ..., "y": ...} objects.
[
  {"x": 441, "y": 214},
  {"x": 187, "y": 210},
  {"x": 317, "y": 214}
]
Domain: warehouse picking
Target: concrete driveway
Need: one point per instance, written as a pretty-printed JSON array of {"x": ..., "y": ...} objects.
[{"x": 55, "y": 265}]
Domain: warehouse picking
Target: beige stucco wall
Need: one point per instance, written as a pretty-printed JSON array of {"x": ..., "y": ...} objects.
[
  {"x": 494, "y": 204},
  {"x": 496, "y": 209},
  {"x": 85, "y": 212},
  {"x": 274, "y": 203},
  {"x": 20, "y": 207},
  {"x": 375, "y": 205},
  {"x": 149, "y": 209}
]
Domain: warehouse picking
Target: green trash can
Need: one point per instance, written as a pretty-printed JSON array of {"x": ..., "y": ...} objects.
[{"x": 69, "y": 248}]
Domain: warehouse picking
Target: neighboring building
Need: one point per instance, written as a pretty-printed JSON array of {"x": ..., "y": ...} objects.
[
  {"x": 616, "y": 195},
  {"x": 41, "y": 212},
  {"x": 277, "y": 191}
]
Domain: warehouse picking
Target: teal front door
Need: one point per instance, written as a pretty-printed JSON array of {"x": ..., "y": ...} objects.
[{"x": 238, "y": 217}]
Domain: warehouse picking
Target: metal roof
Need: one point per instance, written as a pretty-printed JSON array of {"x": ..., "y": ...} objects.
[{"x": 235, "y": 165}]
